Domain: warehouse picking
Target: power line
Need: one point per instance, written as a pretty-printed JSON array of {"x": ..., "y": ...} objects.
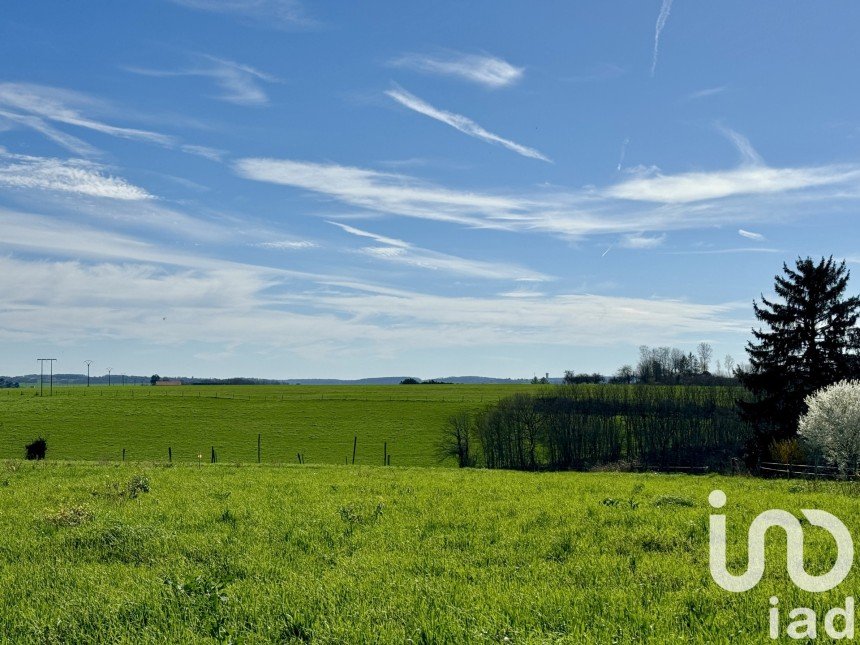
[{"x": 42, "y": 375}]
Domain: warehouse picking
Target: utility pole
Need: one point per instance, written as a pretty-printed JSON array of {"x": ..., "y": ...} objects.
[
  {"x": 42, "y": 375},
  {"x": 109, "y": 370},
  {"x": 88, "y": 371}
]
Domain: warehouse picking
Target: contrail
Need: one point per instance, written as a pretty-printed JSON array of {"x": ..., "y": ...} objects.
[
  {"x": 461, "y": 123},
  {"x": 608, "y": 248},
  {"x": 748, "y": 153},
  {"x": 623, "y": 152},
  {"x": 750, "y": 235},
  {"x": 665, "y": 8}
]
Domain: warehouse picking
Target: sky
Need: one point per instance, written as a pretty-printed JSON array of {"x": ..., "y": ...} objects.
[{"x": 288, "y": 189}]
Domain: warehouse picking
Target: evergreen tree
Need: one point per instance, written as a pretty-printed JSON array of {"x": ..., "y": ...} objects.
[{"x": 811, "y": 341}]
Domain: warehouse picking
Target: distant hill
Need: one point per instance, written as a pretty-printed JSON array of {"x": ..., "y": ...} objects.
[
  {"x": 394, "y": 380},
  {"x": 60, "y": 380}
]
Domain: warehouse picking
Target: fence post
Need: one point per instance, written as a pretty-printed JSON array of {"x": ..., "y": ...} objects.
[
  {"x": 213, "y": 454},
  {"x": 169, "y": 454},
  {"x": 385, "y": 454},
  {"x": 259, "y": 441},
  {"x": 123, "y": 454},
  {"x": 354, "y": 445}
]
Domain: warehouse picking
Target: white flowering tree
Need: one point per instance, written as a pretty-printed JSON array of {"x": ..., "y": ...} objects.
[{"x": 832, "y": 423}]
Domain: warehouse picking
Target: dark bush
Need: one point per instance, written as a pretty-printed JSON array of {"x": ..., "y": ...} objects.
[{"x": 36, "y": 450}]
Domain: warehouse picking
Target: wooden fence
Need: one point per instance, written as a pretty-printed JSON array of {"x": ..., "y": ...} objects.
[{"x": 803, "y": 471}]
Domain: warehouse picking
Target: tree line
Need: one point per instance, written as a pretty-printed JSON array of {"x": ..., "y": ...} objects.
[
  {"x": 661, "y": 415},
  {"x": 582, "y": 426}
]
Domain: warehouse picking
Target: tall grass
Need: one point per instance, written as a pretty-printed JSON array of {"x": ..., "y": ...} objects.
[{"x": 337, "y": 554}]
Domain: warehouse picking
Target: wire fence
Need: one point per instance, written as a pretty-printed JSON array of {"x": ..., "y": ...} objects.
[
  {"x": 804, "y": 471},
  {"x": 120, "y": 392}
]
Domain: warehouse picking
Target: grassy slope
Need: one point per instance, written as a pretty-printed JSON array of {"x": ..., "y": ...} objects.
[
  {"x": 318, "y": 421},
  {"x": 342, "y": 554}
]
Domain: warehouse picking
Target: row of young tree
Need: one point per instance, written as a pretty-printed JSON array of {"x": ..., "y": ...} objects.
[
  {"x": 808, "y": 340},
  {"x": 581, "y": 426}
]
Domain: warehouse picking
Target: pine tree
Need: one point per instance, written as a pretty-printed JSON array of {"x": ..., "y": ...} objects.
[{"x": 811, "y": 341}]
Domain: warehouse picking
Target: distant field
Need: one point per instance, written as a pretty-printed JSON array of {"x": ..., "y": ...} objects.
[
  {"x": 320, "y": 422},
  {"x": 336, "y": 554}
]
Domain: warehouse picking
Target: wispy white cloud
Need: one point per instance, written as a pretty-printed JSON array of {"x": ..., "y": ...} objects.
[
  {"x": 461, "y": 123},
  {"x": 55, "y": 237},
  {"x": 708, "y": 91},
  {"x": 85, "y": 193},
  {"x": 623, "y": 153},
  {"x": 213, "y": 154},
  {"x": 400, "y": 252},
  {"x": 41, "y": 108},
  {"x": 388, "y": 241},
  {"x": 40, "y": 103},
  {"x": 646, "y": 202},
  {"x": 750, "y": 235},
  {"x": 488, "y": 71},
  {"x": 277, "y": 14},
  {"x": 749, "y": 155},
  {"x": 109, "y": 285},
  {"x": 522, "y": 294},
  {"x": 239, "y": 83},
  {"x": 746, "y": 180},
  {"x": 288, "y": 245},
  {"x": 130, "y": 300},
  {"x": 52, "y": 237},
  {"x": 64, "y": 140},
  {"x": 65, "y": 176},
  {"x": 639, "y": 241},
  {"x": 590, "y": 320},
  {"x": 750, "y": 249},
  {"x": 662, "y": 17},
  {"x": 382, "y": 192}
]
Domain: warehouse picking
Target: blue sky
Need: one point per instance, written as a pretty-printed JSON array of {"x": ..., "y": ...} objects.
[{"x": 285, "y": 189}]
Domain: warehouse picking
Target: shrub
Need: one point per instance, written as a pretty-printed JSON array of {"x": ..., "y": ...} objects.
[
  {"x": 137, "y": 485},
  {"x": 787, "y": 451},
  {"x": 36, "y": 450},
  {"x": 832, "y": 423}
]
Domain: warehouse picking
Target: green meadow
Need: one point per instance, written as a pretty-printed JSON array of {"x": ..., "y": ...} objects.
[
  {"x": 320, "y": 422},
  {"x": 141, "y": 553},
  {"x": 145, "y": 551}
]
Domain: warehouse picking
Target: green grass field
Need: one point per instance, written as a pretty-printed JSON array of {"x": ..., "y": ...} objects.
[
  {"x": 336, "y": 554},
  {"x": 318, "y": 421}
]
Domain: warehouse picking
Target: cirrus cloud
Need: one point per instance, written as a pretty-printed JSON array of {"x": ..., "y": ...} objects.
[
  {"x": 65, "y": 176},
  {"x": 489, "y": 71}
]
